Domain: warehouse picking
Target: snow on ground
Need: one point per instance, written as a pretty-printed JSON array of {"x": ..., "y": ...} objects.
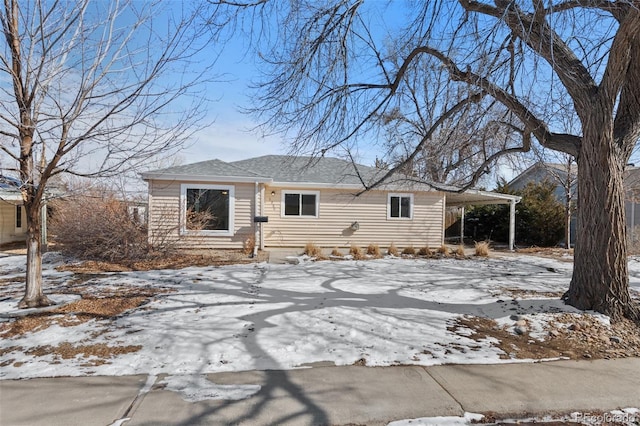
[{"x": 263, "y": 316}]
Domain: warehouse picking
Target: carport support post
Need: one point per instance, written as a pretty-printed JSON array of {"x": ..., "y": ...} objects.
[{"x": 512, "y": 224}]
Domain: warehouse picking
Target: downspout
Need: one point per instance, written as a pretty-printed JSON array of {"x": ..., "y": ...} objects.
[
  {"x": 444, "y": 217},
  {"x": 256, "y": 226},
  {"x": 462, "y": 225},
  {"x": 262, "y": 200},
  {"x": 43, "y": 226}
]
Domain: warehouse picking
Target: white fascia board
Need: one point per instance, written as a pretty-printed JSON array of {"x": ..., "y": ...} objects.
[
  {"x": 197, "y": 178},
  {"x": 482, "y": 197},
  {"x": 497, "y": 195}
]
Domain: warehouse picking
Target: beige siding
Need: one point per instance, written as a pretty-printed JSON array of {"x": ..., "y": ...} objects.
[
  {"x": 8, "y": 231},
  {"x": 338, "y": 209},
  {"x": 164, "y": 217}
]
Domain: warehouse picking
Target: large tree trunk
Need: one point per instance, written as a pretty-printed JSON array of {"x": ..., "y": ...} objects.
[
  {"x": 600, "y": 279},
  {"x": 33, "y": 296}
]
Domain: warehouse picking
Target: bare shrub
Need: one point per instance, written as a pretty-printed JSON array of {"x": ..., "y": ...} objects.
[
  {"x": 98, "y": 226},
  {"x": 336, "y": 252},
  {"x": 312, "y": 250},
  {"x": 373, "y": 250},
  {"x": 409, "y": 251},
  {"x": 482, "y": 249},
  {"x": 443, "y": 250},
  {"x": 164, "y": 231},
  {"x": 249, "y": 245},
  {"x": 424, "y": 251},
  {"x": 356, "y": 252},
  {"x": 393, "y": 250}
]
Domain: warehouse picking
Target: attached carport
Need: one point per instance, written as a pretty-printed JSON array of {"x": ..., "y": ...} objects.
[{"x": 474, "y": 197}]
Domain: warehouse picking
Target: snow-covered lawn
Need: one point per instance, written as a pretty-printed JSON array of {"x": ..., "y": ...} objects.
[{"x": 263, "y": 316}]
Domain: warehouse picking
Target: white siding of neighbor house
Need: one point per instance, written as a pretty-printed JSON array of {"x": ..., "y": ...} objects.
[
  {"x": 8, "y": 231},
  {"x": 164, "y": 216},
  {"x": 338, "y": 209}
]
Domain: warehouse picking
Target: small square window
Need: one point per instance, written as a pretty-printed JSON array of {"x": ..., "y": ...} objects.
[
  {"x": 300, "y": 204},
  {"x": 400, "y": 206}
]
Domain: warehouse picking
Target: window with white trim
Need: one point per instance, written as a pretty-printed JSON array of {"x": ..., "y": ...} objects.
[
  {"x": 300, "y": 203},
  {"x": 207, "y": 209},
  {"x": 400, "y": 206}
]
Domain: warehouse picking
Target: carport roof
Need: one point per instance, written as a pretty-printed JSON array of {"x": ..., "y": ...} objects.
[{"x": 474, "y": 196}]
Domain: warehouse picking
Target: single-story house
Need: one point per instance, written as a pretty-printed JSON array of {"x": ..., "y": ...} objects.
[
  {"x": 12, "y": 216},
  {"x": 566, "y": 178},
  {"x": 286, "y": 201}
]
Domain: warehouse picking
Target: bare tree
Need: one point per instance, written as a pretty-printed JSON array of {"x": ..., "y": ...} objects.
[
  {"x": 453, "y": 147},
  {"x": 89, "y": 88},
  {"x": 331, "y": 74},
  {"x": 564, "y": 175}
]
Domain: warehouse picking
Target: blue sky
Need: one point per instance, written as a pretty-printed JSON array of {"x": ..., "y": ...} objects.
[{"x": 232, "y": 136}]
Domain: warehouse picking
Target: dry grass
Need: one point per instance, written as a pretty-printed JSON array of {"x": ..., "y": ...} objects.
[
  {"x": 374, "y": 250},
  {"x": 409, "y": 251},
  {"x": 249, "y": 245},
  {"x": 424, "y": 251},
  {"x": 356, "y": 252},
  {"x": 459, "y": 252},
  {"x": 393, "y": 250},
  {"x": 574, "y": 336},
  {"x": 75, "y": 313},
  {"x": 443, "y": 250},
  {"x": 336, "y": 252},
  {"x": 482, "y": 249},
  {"x": 312, "y": 250}
]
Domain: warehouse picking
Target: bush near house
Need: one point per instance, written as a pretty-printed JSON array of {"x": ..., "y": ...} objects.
[
  {"x": 98, "y": 226},
  {"x": 539, "y": 217}
]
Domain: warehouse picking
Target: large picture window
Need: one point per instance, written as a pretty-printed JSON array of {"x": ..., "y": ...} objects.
[
  {"x": 300, "y": 203},
  {"x": 400, "y": 206},
  {"x": 208, "y": 209}
]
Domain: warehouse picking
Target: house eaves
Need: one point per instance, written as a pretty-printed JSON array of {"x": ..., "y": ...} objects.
[
  {"x": 10, "y": 195},
  {"x": 203, "y": 178}
]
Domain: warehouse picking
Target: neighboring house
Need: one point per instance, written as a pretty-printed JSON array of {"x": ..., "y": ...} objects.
[
  {"x": 12, "y": 215},
  {"x": 285, "y": 201},
  {"x": 558, "y": 174},
  {"x": 563, "y": 176}
]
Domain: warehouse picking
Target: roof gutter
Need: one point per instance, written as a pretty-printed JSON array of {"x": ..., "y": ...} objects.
[{"x": 195, "y": 178}]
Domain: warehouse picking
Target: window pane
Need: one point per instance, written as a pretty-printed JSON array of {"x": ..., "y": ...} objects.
[
  {"x": 308, "y": 204},
  {"x": 395, "y": 206},
  {"x": 405, "y": 208},
  {"x": 208, "y": 209},
  {"x": 291, "y": 204},
  {"x": 18, "y": 216}
]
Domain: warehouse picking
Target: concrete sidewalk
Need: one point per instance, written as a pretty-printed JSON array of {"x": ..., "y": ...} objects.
[{"x": 327, "y": 395}]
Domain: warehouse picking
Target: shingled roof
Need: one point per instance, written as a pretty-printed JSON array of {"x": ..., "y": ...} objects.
[
  {"x": 273, "y": 168},
  {"x": 288, "y": 169},
  {"x": 205, "y": 170}
]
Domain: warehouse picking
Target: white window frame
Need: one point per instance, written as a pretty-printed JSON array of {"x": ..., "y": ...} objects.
[
  {"x": 400, "y": 195},
  {"x": 207, "y": 232},
  {"x": 300, "y": 193}
]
